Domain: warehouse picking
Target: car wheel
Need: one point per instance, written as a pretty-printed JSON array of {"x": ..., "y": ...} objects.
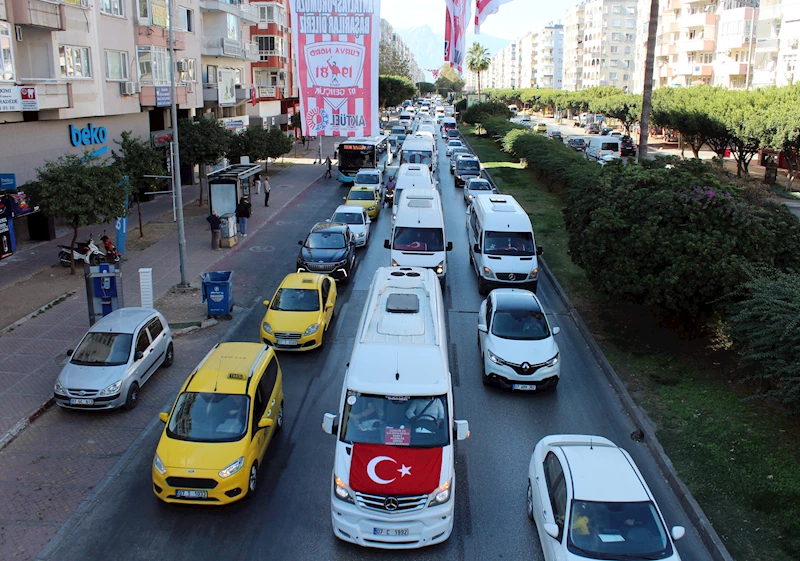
[
  {"x": 252, "y": 481},
  {"x": 481, "y": 286},
  {"x": 170, "y": 358},
  {"x": 133, "y": 397},
  {"x": 322, "y": 339},
  {"x": 279, "y": 420},
  {"x": 530, "y": 501}
]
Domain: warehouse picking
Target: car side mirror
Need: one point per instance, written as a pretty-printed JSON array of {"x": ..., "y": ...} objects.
[
  {"x": 265, "y": 422},
  {"x": 556, "y": 330},
  {"x": 449, "y": 246},
  {"x": 70, "y": 351},
  {"x": 386, "y": 244},
  {"x": 300, "y": 242},
  {"x": 476, "y": 248},
  {"x": 678, "y": 532},
  {"x": 461, "y": 428},
  {"x": 328, "y": 305},
  {"x": 552, "y": 530},
  {"x": 266, "y": 303},
  {"x": 163, "y": 417},
  {"x": 330, "y": 423},
  {"x": 328, "y": 220},
  {"x": 482, "y": 327},
  {"x": 539, "y": 250},
  {"x": 138, "y": 355},
  {"x": 369, "y": 221},
  {"x": 344, "y": 198}
]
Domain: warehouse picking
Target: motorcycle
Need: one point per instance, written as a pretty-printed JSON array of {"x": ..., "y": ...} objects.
[
  {"x": 112, "y": 255},
  {"x": 86, "y": 251},
  {"x": 388, "y": 197}
]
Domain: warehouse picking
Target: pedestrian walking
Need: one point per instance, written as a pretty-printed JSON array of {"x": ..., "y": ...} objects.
[
  {"x": 216, "y": 224},
  {"x": 328, "y": 163},
  {"x": 242, "y": 214},
  {"x": 266, "y": 190},
  {"x": 257, "y": 186}
]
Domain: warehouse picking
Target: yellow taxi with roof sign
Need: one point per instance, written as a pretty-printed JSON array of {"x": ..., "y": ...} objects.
[
  {"x": 367, "y": 197},
  {"x": 220, "y": 426}
]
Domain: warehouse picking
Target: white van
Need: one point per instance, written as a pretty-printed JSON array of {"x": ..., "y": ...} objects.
[
  {"x": 514, "y": 110},
  {"x": 603, "y": 148},
  {"x": 418, "y": 233},
  {"x": 417, "y": 150},
  {"x": 406, "y": 119},
  {"x": 393, "y": 481},
  {"x": 502, "y": 247},
  {"x": 411, "y": 176}
]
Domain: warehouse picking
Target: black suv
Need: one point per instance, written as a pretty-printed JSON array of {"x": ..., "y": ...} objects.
[
  {"x": 626, "y": 146},
  {"x": 329, "y": 249},
  {"x": 466, "y": 167}
]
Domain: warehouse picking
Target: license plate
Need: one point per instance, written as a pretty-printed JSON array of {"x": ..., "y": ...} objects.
[
  {"x": 390, "y": 531},
  {"x": 287, "y": 342},
  {"x": 523, "y": 387},
  {"x": 186, "y": 494},
  {"x": 76, "y": 401}
]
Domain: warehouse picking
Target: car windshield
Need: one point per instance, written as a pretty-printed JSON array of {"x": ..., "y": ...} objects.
[
  {"x": 368, "y": 178},
  {"x": 452, "y": 132},
  {"x": 296, "y": 300},
  {"x": 479, "y": 186},
  {"x": 454, "y": 143},
  {"x": 617, "y": 530},
  {"x": 460, "y": 150},
  {"x": 520, "y": 325},
  {"x": 508, "y": 243},
  {"x": 421, "y": 422},
  {"x": 348, "y": 218},
  {"x": 103, "y": 349},
  {"x": 361, "y": 196},
  {"x": 417, "y": 156},
  {"x": 469, "y": 165},
  {"x": 325, "y": 240},
  {"x": 418, "y": 239},
  {"x": 577, "y": 141},
  {"x": 209, "y": 417}
]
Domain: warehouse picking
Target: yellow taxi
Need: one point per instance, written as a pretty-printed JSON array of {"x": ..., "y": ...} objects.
[
  {"x": 300, "y": 312},
  {"x": 367, "y": 197},
  {"x": 541, "y": 128},
  {"x": 220, "y": 426}
]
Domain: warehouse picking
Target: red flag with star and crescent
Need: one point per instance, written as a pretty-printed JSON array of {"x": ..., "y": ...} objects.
[{"x": 378, "y": 469}]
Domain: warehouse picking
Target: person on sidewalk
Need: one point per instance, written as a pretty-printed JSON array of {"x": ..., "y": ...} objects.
[
  {"x": 266, "y": 190},
  {"x": 328, "y": 163},
  {"x": 257, "y": 186},
  {"x": 242, "y": 214},
  {"x": 216, "y": 224}
]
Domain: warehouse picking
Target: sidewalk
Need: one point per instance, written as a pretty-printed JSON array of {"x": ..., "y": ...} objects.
[{"x": 33, "y": 353}]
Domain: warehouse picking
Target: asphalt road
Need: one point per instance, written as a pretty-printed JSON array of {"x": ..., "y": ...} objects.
[{"x": 290, "y": 516}]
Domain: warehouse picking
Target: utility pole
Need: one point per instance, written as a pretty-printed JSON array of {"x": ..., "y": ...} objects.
[
  {"x": 750, "y": 48},
  {"x": 176, "y": 153}
]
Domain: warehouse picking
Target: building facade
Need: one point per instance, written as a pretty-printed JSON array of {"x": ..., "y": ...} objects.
[
  {"x": 609, "y": 32},
  {"x": 393, "y": 44},
  {"x": 549, "y": 61},
  {"x": 573, "y": 48},
  {"x": 777, "y": 45}
]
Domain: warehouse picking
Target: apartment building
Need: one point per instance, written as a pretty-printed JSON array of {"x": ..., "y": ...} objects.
[
  {"x": 573, "y": 48},
  {"x": 549, "y": 62},
  {"x": 528, "y": 46},
  {"x": 394, "y": 43},
  {"x": 609, "y": 32},
  {"x": 777, "y": 45}
]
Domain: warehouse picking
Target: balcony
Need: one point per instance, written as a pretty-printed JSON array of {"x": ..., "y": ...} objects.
[
  {"x": 768, "y": 45},
  {"x": 51, "y": 94},
  {"x": 736, "y": 41},
  {"x": 774, "y": 11},
  {"x": 694, "y": 70},
  {"x": 157, "y": 36},
  {"x": 695, "y": 45},
  {"x": 697, "y": 20},
  {"x": 763, "y": 77},
  {"x": 244, "y": 10},
  {"x": 732, "y": 69},
  {"x": 38, "y": 13},
  {"x": 666, "y": 50},
  {"x": 231, "y": 48}
]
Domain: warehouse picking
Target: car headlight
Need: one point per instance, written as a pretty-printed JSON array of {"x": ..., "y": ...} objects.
[
  {"x": 229, "y": 470},
  {"x": 494, "y": 358},
  {"x": 112, "y": 389},
  {"x": 488, "y": 272},
  {"x": 553, "y": 361},
  {"x": 59, "y": 389},
  {"x": 311, "y": 329},
  {"x": 534, "y": 274},
  {"x": 373, "y": 207},
  {"x": 360, "y": 235},
  {"x": 395, "y": 263},
  {"x": 471, "y": 196},
  {"x": 159, "y": 465},
  {"x": 341, "y": 491},
  {"x": 440, "y": 268},
  {"x": 440, "y": 495},
  {"x": 266, "y": 327}
]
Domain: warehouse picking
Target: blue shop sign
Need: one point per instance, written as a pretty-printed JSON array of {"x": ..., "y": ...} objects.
[
  {"x": 163, "y": 97},
  {"x": 8, "y": 181},
  {"x": 88, "y": 135}
]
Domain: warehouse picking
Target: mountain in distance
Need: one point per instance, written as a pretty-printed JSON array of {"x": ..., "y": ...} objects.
[{"x": 428, "y": 47}]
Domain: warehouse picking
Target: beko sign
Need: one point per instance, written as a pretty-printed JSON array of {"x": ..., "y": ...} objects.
[{"x": 88, "y": 135}]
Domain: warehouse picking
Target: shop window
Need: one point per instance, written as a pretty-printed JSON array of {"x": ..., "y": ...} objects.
[
  {"x": 75, "y": 62},
  {"x": 116, "y": 65},
  {"x": 6, "y": 54}
]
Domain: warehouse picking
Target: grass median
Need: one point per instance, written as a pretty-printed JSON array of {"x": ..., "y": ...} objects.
[{"x": 739, "y": 457}]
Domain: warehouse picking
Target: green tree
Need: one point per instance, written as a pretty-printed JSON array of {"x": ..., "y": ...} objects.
[
  {"x": 478, "y": 60},
  {"x": 136, "y": 159},
  {"x": 480, "y": 111},
  {"x": 426, "y": 87},
  {"x": 393, "y": 90},
  {"x": 449, "y": 81},
  {"x": 203, "y": 142},
  {"x": 81, "y": 190},
  {"x": 276, "y": 144},
  {"x": 250, "y": 142},
  {"x": 391, "y": 62},
  {"x": 782, "y": 122},
  {"x": 624, "y": 107}
]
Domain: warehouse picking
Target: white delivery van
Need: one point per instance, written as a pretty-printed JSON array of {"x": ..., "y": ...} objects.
[
  {"x": 603, "y": 148},
  {"x": 418, "y": 233},
  {"x": 502, "y": 247},
  {"x": 406, "y": 119},
  {"x": 393, "y": 481},
  {"x": 417, "y": 150},
  {"x": 411, "y": 176},
  {"x": 514, "y": 110}
]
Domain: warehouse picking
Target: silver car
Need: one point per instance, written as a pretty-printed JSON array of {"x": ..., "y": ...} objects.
[{"x": 114, "y": 359}]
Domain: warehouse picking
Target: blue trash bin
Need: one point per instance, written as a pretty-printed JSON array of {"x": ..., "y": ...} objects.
[{"x": 218, "y": 292}]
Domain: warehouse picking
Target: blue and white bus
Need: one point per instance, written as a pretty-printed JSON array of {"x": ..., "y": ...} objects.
[{"x": 358, "y": 153}]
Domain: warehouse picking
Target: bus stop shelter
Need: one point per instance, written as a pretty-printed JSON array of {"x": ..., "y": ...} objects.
[{"x": 227, "y": 185}]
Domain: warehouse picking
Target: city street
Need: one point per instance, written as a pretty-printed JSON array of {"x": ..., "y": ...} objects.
[{"x": 289, "y": 518}]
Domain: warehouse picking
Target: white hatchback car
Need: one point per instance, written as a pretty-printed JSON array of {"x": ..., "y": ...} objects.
[
  {"x": 590, "y": 501},
  {"x": 115, "y": 358},
  {"x": 452, "y": 144},
  {"x": 477, "y": 186},
  {"x": 516, "y": 342},
  {"x": 356, "y": 217}
]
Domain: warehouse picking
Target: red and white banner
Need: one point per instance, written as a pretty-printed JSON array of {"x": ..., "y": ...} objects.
[
  {"x": 336, "y": 47},
  {"x": 378, "y": 469},
  {"x": 485, "y": 8},
  {"x": 456, "y": 22}
]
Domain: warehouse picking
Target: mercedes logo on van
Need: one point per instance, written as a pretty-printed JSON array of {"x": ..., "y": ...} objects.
[
  {"x": 512, "y": 276},
  {"x": 390, "y": 503}
]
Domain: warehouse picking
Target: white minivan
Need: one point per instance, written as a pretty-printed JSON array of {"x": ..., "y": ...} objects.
[
  {"x": 603, "y": 149},
  {"x": 412, "y": 176},
  {"x": 502, "y": 247},
  {"x": 418, "y": 233},
  {"x": 393, "y": 480}
]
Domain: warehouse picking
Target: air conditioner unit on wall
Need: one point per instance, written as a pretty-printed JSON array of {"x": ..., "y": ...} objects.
[
  {"x": 128, "y": 88},
  {"x": 181, "y": 66}
]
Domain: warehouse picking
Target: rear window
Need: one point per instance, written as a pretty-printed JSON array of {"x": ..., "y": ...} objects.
[{"x": 613, "y": 146}]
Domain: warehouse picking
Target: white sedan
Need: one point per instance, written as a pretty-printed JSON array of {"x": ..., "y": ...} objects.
[
  {"x": 588, "y": 500},
  {"x": 452, "y": 144},
  {"x": 477, "y": 186},
  {"x": 355, "y": 216},
  {"x": 516, "y": 342}
]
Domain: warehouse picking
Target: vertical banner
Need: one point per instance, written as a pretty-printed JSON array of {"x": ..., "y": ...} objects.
[
  {"x": 484, "y": 8},
  {"x": 336, "y": 47},
  {"x": 457, "y": 18}
]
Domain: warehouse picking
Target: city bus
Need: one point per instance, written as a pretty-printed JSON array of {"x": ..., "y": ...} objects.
[{"x": 359, "y": 153}]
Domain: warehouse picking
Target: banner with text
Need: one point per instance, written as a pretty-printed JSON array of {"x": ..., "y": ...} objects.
[
  {"x": 336, "y": 47},
  {"x": 457, "y": 18}
]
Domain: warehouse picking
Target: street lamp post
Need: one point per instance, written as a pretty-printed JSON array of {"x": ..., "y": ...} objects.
[{"x": 176, "y": 154}]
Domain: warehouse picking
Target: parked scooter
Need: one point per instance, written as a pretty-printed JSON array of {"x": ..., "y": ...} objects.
[
  {"x": 86, "y": 251},
  {"x": 112, "y": 255}
]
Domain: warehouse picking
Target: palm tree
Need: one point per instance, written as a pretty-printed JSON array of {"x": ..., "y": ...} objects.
[
  {"x": 478, "y": 60},
  {"x": 647, "y": 92}
]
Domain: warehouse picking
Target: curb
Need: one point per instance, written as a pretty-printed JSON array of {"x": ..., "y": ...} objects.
[
  {"x": 42, "y": 309},
  {"x": 17, "y": 429}
]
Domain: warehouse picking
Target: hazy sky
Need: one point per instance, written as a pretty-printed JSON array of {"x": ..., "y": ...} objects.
[{"x": 512, "y": 21}]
